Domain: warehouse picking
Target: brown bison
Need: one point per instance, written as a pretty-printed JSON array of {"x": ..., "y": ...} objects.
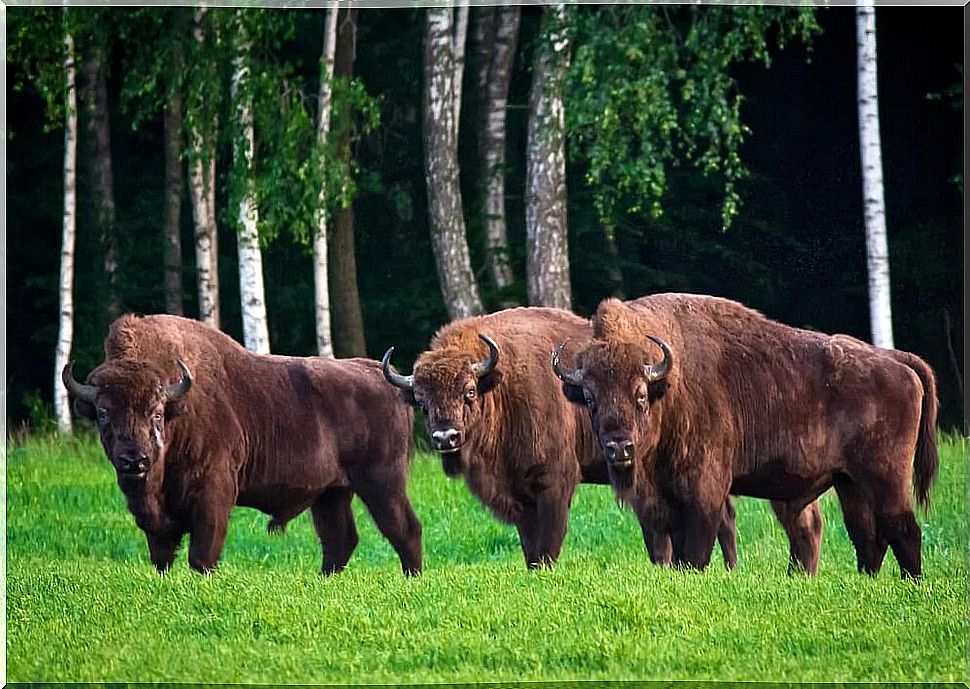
[
  {"x": 494, "y": 412},
  {"x": 194, "y": 424},
  {"x": 740, "y": 403}
]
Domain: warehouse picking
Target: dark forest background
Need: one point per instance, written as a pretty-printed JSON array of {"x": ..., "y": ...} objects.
[{"x": 796, "y": 251}]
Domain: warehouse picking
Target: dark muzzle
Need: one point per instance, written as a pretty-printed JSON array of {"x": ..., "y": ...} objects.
[
  {"x": 618, "y": 452},
  {"x": 132, "y": 463}
]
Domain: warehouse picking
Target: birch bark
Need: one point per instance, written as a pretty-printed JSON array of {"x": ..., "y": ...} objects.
[
  {"x": 547, "y": 258},
  {"x": 441, "y": 169},
  {"x": 65, "y": 333},
  {"x": 877, "y": 250},
  {"x": 251, "y": 290},
  {"x": 321, "y": 276}
]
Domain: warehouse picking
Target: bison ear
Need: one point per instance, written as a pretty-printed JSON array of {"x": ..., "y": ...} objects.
[
  {"x": 174, "y": 409},
  {"x": 84, "y": 409},
  {"x": 573, "y": 393},
  {"x": 657, "y": 390},
  {"x": 489, "y": 381}
]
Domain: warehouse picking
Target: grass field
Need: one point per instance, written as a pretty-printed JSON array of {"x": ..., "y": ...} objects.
[{"x": 84, "y": 604}]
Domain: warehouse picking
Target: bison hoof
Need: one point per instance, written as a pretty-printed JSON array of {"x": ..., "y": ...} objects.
[{"x": 277, "y": 528}]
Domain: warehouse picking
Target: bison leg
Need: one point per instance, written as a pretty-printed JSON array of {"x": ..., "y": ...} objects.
[
  {"x": 895, "y": 521},
  {"x": 334, "y": 521},
  {"x": 208, "y": 534},
  {"x": 804, "y": 529},
  {"x": 395, "y": 518},
  {"x": 162, "y": 547},
  {"x": 552, "y": 512},
  {"x": 860, "y": 522},
  {"x": 699, "y": 532},
  {"x": 655, "y": 536},
  {"x": 727, "y": 534},
  {"x": 528, "y": 528}
]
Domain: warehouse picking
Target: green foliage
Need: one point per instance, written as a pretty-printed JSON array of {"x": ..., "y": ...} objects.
[
  {"x": 81, "y": 587},
  {"x": 35, "y": 44},
  {"x": 650, "y": 86}
]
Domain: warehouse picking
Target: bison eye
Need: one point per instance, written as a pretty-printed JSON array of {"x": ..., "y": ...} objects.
[
  {"x": 157, "y": 416},
  {"x": 102, "y": 415},
  {"x": 642, "y": 402},
  {"x": 470, "y": 395}
]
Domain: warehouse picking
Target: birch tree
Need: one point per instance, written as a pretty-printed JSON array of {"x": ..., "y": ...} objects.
[
  {"x": 202, "y": 127},
  {"x": 498, "y": 76},
  {"x": 251, "y": 290},
  {"x": 65, "y": 333},
  {"x": 441, "y": 168},
  {"x": 877, "y": 250},
  {"x": 461, "y": 38},
  {"x": 320, "y": 274},
  {"x": 547, "y": 252}
]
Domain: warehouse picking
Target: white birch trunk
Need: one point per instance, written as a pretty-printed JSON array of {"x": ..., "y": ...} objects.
[
  {"x": 251, "y": 290},
  {"x": 321, "y": 282},
  {"x": 65, "y": 335},
  {"x": 202, "y": 196},
  {"x": 441, "y": 169},
  {"x": 877, "y": 250},
  {"x": 458, "y": 52},
  {"x": 547, "y": 258},
  {"x": 506, "y": 29}
]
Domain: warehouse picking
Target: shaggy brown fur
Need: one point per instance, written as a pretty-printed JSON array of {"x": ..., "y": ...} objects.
[
  {"x": 280, "y": 434},
  {"x": 520, "y": 446},
  {"x": 758, "y": 408}
]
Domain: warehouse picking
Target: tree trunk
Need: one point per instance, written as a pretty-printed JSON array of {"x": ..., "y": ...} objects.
[
  {"x": 172, "y": 252},
  {"x": 458, "y": 56},
  {"x": 202, "y": 153},
  {"x": 65, "y": 333},
  {"x": 506, "y": 29},
  {"x": 877, "y": 250},
  {"x": 613, "y": 272},
  {"x": 321, "y": 277},
  {"x": 483, "y": 44},
  {"x": 346, "y": 316},
  {"x": 251, "y": 291},
  {"x": 547, "y": 260},
  {"x": 95, "y": 99},
  {"x": 441, "y": 169}
]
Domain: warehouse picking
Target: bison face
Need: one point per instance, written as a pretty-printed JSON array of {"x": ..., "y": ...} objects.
[
  {"x": 620, "y": 386},
  {"x": 130, "y": 403},
  {"x": 449, "y": 385}
]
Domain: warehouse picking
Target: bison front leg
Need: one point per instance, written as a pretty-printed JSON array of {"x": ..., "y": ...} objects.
[
  {"x": 210, "y": 520},
  {"x": 804, "y": 529},
  {"x": 162, "y": 547},
  {"x": 656, "y": 537},
  {"x": 552, "y": 514},
  {"x": 698, "y": 533},
  {"x": 334, "y": 521}
]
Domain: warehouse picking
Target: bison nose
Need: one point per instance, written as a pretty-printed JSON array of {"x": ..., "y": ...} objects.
[
  {"x": 133, "y": 462},
  {"x": 448, "y": 439},
  {"x": 618, "y": 451}
]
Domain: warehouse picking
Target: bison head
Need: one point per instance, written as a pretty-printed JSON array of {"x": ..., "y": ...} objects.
[
  {"x": 130, "y": 402},
  {"x": 449, "y": 385},
  {"x": 619, "y": 383}
]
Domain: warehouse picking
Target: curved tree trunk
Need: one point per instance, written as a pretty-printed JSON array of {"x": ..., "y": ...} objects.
[
  {"x": 877, "y": 250},
  {"x": 95, "y": 98},
  {"x": 251, "y": 291},
  {"x": 65, "y": 332},
  {"x": 458, "y": 55},
  {"x": 547, "y": 260},
  {"x": 172, "y": 252},
  {"x": 346, "y": 316},
  {"x": 506, "y": 29},
  {"x": 441, "y": 169},
  {"x": 202, "y": 193},
  {"x": 321, "y": 277}
]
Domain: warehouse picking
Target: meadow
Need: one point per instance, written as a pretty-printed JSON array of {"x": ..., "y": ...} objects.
[{"x": 85, "y": 604}]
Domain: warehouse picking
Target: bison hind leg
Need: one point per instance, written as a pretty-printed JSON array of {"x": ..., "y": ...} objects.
[
  {"x": 727, "y": 534},
  {"x": 860, "y": 522}
]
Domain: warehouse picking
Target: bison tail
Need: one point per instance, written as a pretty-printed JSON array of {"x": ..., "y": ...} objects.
[{"x": 927, "y": 457}]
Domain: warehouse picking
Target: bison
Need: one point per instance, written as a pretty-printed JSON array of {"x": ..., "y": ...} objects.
[
  {"x": 494, "y": 412},
  {"x": 742, "y": 404},
  {"x": 194, "y": 424}
]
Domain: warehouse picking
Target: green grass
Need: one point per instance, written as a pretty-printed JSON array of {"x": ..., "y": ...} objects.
[{"x": 84, "y": 604}]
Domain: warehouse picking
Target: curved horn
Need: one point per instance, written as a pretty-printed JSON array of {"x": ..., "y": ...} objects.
[
  {"x": 393, "y": 377},
  {"x": 655, "y": 372},
  {"x": 488, "y": 364},
  {"x": 87, "y": 393},
  {"x": 176, "y": 390},
  {"x": 566, "y": 375}
]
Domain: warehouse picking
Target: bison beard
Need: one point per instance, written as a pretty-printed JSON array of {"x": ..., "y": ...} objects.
[
  {"x": 762, "y": 409},
  {"x": 256, "y": 431}
]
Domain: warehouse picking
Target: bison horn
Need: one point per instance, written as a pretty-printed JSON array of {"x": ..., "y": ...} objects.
[
  {"x": 655, "y": 372},
  {"x": 393, "y": 377},
  {"x": 86, "y": 393},
  {"x": 486, "y": 366},
  {"x": 174, "y": 391},
  {"x": 565, "y": 375}
]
